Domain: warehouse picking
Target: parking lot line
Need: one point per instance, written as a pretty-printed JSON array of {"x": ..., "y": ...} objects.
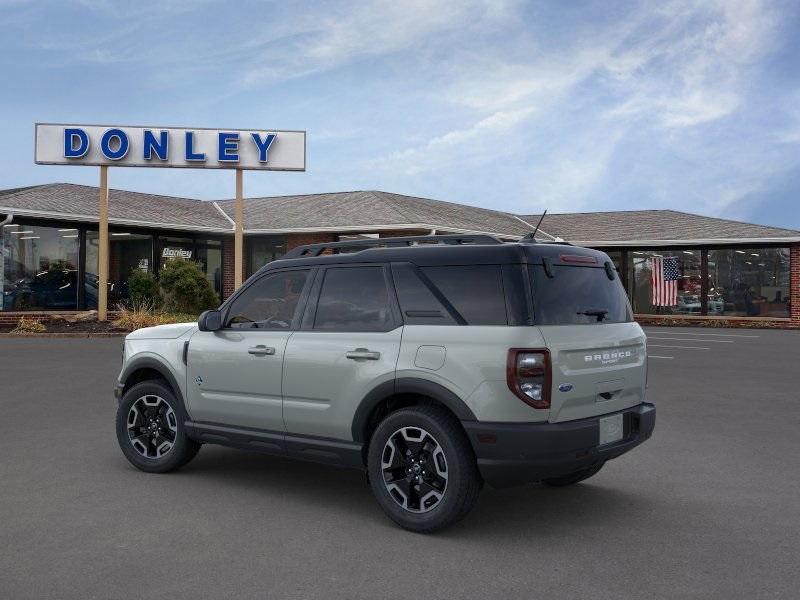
[
  {"x": 665, "y": 346},
  {"x": 736, "y": 335},
  {"x": 671, "y": 339},
  {"x": 654, "y": 356}
]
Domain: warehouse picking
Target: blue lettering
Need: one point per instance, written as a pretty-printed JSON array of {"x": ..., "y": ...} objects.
[
  {"x": 228, "y": 142},
  {"x": 159, "y": 146},
  {"x": 70, "y": 137},
  {"x": 190, "y": 153},
  {"x": 122, "y": 144},
  {"x": 263, "y": 145}
]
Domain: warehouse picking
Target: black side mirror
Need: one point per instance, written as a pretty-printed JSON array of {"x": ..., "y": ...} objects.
[{"x": 210, "y": 320}]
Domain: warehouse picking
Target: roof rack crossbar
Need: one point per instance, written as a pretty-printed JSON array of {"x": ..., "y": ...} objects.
[{"x": 311, "y": 250}]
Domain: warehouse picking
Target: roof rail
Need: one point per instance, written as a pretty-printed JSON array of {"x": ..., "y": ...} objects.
[{"x": 312, "y": 250}]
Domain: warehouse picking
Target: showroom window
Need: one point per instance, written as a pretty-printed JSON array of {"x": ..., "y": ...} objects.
[
  {"x": 666, "y": 281},
  {"x": 749, "y": 282},
  {"x": 175, "y": 247},
  {"x": 263, "y": 249},
  {"x": 209, "y": 255},
  {"x": 206, "y": 252},
  {"x": 39, "y": 268},
  {"x": 128, "y": 252}
]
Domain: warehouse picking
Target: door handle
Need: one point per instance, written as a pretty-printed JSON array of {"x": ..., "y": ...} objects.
[
  {"x": 261, "y": 350},
  {"x": 363, "y": 353}
]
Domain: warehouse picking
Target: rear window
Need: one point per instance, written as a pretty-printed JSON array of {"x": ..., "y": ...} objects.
[{"x": 578, "y": 295}]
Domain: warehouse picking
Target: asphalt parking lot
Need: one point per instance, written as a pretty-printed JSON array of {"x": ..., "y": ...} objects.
[{"x": 708, "y": 508}]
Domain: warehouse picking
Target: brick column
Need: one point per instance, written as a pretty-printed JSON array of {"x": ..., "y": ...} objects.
[
  {"x": 228, "y": 267},
  {"x": 301, "y": 239},
  {"x": 794, "y": 283}
]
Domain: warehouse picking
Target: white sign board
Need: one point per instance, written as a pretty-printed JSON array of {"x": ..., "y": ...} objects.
[{"x": 189, "y": 148}]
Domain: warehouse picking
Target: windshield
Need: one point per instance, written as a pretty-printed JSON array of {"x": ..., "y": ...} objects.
[{"x": 578, "y": 295}]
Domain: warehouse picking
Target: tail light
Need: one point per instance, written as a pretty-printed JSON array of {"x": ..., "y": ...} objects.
[{"x": 529, "y": 377}]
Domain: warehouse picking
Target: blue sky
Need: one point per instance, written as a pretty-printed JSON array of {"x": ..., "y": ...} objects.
[{"x": 570, "y": 106}]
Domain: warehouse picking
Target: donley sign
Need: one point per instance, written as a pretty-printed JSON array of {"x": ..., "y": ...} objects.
[
  {"x": 121, "y": 146},
  {"x": 178, "y": 147}
]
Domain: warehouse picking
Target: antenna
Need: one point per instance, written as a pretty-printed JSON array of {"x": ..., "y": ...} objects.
[
  {"x": 532, "y": 236},
  {"x": 539, "y": 223}
]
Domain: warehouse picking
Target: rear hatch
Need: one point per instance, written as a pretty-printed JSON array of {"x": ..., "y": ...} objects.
[{"x": 597, "y": 352}]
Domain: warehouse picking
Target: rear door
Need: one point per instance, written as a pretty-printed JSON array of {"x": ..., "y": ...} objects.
[
  {"x": 598, "y": 353},
  {"x": 348, "y": 344}
]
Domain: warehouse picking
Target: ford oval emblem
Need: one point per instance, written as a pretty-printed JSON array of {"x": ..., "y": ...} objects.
[{"x": 565, "y": 387}]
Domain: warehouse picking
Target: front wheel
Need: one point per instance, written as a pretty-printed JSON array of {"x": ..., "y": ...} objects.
[
  {"x": 150, "y": 429},
  {"x": 422, "y": 469}
]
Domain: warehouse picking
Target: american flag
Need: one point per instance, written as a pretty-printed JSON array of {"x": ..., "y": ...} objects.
[{"x": 664, "y": 280}]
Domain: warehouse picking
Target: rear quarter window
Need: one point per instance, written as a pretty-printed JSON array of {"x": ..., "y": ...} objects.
[
  {"x": 578, "y": 295},
  {"x": 475, "y": 291}
]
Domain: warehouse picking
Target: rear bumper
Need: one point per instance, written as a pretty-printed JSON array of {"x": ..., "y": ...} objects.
[{"x": 516, "y": 453}]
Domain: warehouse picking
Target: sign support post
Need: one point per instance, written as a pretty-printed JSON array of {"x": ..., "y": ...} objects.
[
  {"x": 103, "y": 254},
  {"x": 238, "y": 252}
]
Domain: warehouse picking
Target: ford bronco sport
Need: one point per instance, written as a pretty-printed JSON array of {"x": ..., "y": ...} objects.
[{"x": 433, "y": 363}]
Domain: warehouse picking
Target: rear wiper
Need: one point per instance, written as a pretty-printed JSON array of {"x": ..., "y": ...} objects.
[{"x": 600, "y": 313}]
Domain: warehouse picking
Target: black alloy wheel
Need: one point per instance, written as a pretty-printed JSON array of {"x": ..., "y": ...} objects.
[
  {"x": 414, "y": 469},
  {"x": 150, "y": 428}
]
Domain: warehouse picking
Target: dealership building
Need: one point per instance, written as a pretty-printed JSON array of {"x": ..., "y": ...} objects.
[{"x": 726, "y": 270}]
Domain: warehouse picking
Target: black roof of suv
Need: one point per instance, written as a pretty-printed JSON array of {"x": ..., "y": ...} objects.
[{"x": 439, "y": 250}]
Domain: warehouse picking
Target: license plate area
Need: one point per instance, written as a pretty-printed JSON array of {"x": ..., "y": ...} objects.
[{"x": 612, "y": 429}]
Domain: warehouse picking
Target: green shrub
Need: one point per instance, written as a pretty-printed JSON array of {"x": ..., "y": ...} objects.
[
  {"x": 143, "y": 289},
  {"x": 185, "y": 288}
]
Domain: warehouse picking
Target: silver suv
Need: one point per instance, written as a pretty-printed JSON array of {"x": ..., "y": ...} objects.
[{"x": 434, "y": 364}]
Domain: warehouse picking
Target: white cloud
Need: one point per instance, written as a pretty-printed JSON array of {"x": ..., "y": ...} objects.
[
  {"x": 674, "y": 68},
  {"x": 349, "y": 32},
  {"x": 476, "y": 143}
]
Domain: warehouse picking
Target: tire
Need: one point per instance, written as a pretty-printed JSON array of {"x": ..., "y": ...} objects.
[
  {"x": 423, "y": 500},
  {"x": 151, "y": 406},
  {"x": 573, "y": 478}
]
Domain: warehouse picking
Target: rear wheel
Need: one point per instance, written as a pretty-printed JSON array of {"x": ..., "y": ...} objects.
[
  {"x": 422, "y": 469},
  {"x": 150, "y": 428},
  {"x": 573, "y": 477}
]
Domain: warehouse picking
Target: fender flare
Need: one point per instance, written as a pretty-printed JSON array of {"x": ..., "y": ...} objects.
[
  {"x": 407, "y": 385},
  {"x": 148, "y": 362}
]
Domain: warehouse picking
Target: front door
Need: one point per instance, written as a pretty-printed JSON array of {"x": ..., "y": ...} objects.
[
  {"x": 234, "y": 375},
  {"x": 348, "y": 345}
]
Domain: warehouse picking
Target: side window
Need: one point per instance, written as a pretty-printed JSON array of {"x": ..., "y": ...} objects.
[
  {"x": 270, "y": 303},
  {"x": 417, "y": 302},
  {"x": 354, "y": 299},
  {"x": 475, "y": 291}
]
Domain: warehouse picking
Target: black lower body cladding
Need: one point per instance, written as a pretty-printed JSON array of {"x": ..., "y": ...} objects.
[{"x": 517, "y": 453}]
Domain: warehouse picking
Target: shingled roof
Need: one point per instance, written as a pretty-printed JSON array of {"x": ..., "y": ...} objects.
[
  {"x": 365, "y": 211},
  {"x": 79, "y": 203},
  {"x": 659, "y": 227},
  {"x": 371, "y": 210}
]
